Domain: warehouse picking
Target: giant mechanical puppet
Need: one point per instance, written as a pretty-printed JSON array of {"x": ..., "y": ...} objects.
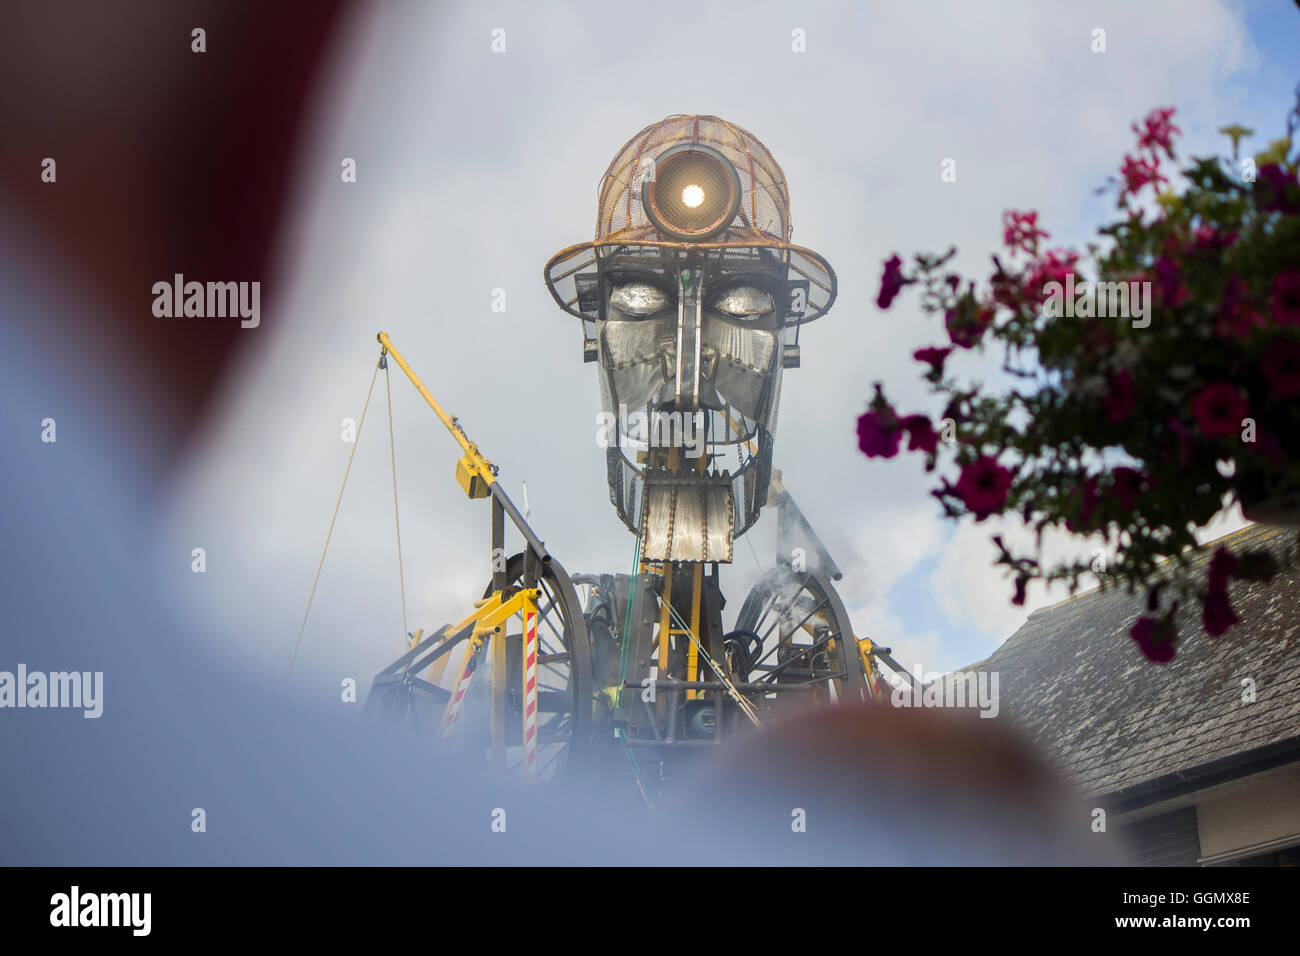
[{"x": 691, "y": 299}]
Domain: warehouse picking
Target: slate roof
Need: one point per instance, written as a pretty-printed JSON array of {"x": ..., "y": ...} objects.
[{"x": 1121, "y": 727}]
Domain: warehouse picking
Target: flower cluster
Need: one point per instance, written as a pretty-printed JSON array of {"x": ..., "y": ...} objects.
[{"x": 1134, "y": 411}]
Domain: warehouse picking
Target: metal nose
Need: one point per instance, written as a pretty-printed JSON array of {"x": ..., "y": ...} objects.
[{"x": 690, "y": 315}]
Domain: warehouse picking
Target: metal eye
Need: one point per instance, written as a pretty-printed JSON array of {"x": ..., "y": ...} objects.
[
  {"x": 744, "y": 302},
  {"x": 639, "y": 298}
]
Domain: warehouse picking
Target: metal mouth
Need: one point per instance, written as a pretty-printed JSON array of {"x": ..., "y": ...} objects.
[{"x": 687, "y": 517}]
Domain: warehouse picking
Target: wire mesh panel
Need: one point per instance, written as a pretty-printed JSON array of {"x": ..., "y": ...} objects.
[
  {"x": 761, "y": 219},
  {"x": 764, "y": 202}
]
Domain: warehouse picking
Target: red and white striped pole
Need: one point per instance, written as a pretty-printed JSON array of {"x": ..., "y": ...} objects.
[
  {"x": 530, "y": 691},
  {"x": 457, "y": 702}
]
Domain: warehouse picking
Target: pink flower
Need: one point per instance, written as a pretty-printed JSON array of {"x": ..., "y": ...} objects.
[
  {"x": 1054, "y": 266},
  {"x": 1140, "y": 172},
  {"x": 921, "y": 434},
  {"x": 1158, "y": 132},
  {"x": 983, "y": 486},
  {"x": 1121, "y": 400},
  {"x": 934, "y": 357},
  {"x": 1156, "y": 637},
  {"x": 1285, "y": 303},
  {"x": 892, "y": 282},
  {"x": 1020, "y": 232},
  {"x": 1281, "y": 366},
  {"x": 879, "y": 432},
  {"x": 1219, "y": 409}
]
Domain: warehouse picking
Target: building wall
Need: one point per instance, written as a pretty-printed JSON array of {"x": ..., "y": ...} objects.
[
  {"x": 1166, "y": 839},
  {"x": 1263, "y": 808}
]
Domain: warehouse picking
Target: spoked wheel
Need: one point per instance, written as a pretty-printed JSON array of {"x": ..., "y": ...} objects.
[
  {"x": 793, "y": 629},
  {"x": 564, "y": 684}
]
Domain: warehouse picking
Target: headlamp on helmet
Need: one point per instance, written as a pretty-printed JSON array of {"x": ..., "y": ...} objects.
[{"x": 694, "y": 193}]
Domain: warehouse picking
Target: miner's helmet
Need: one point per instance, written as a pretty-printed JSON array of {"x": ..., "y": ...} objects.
[{"x": 693, "y": 183}]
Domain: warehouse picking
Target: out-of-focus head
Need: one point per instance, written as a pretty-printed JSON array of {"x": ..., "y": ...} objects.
[
  {"x": 133, "y": 156},
  {"x": 691, "y": 298},
  {"x": 873, "y": 784}
]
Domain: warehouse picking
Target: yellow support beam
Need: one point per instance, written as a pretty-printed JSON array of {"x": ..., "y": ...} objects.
[
  {"x": 665, "y": 621},
  {"x": 692, "y": 649},
  {"x": 474, "y": 473},
  {"x": 492, "y": 613}
]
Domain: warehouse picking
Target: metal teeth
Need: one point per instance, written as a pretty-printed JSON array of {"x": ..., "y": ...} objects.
[{"x": 687, "y": 518}]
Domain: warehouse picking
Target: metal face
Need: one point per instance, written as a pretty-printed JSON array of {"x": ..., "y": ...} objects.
[
  {"x": 690, "y": 354},
  {"x": 687, "y": 297}
]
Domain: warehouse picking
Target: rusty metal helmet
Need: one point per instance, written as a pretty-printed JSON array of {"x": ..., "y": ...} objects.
[{"x": 693, "y": 182}]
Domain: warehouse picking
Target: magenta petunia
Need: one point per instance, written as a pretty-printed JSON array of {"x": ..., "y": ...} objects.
[
  {"x": 1222, "y": 564},
  {"x": 879, "y": 433},
  {"x": 934, "y": 357},
  {"x": 983, "y": 486},
  {"x": 966, "y": 323},
  {"x": 1285, "y": 302},
  {"x": 921, "y": 434},
  {"x": 1217, "y": 615},
  {"x": 892, "y": 282},
  {"x": 1281, "y": 366},
  {"x": 1156, "y": 638},
  {"x": 1219, "y": 409}
]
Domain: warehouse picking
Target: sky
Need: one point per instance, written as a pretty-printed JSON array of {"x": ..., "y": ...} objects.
[{"x": 474, "y": 167}]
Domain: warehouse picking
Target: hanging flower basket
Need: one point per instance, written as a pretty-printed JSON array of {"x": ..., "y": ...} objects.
[{"x": 1147, "y": 380}]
